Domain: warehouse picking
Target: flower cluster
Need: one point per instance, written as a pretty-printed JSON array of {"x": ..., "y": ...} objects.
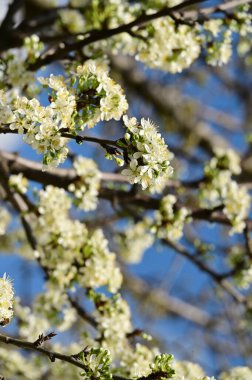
[
  {"x": 54, "y": 305},
  {"x": 243, "y": 25},
  {"x": 113, "y": 318},
  {"x": 183, "y": 41},
  {"x": 72, "y": 20},
  {"x": 237, "y": 204},
  {"x": 134, "y": 241},
  {"x": 219, "y": 52},
  {"x": 242, "y": 22},
  {"x": 31, "y": 324},
  {"x": 6, "y": 114},
  {"x": 242, "y": 263},
  {"x": 98, "y": 264},
  {"x": 185, "y": 370},
  {"x": 6, "y": 300},
  {"x": 219, "y": 32},
  {"x": 225, "y": 159},
  {"x": 241, "y": 373},
  {"x": 41, "y": 125},
  {"x": 114, "y": 326},
  {"x": 91, "y": 97},
  {"x": 182, "y": 45},
  {"x": 86, "y": 186},
  {"x": 99, "y": 97},
  {"x": 137, "y": 361},
  {"x": 19, "y": 183},
  {"x": 148, "y": 156},
  {"x": 33, "y": 47},
  {"x": 50, "y": 309},
  {"x": 18, "y": 366},
  {"x": 4, "y": 220},
  {"x": 68, "y": 250},
  {"x": 14, "y": 76},
  {"x": 219, "y": 189},
  {"x": 244, "y": 278},
  {"x": 169, "y": 220}
]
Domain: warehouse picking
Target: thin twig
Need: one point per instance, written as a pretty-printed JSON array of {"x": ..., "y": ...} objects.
[
  {"x": 82, "y": 312},
  {"x": 218, "y": 278},
  {"x": 79, "y": 139},
  {"x": 248, "y": 242},
  {"x": 163, "y": 301},
  {"x": 52, "y": 355}
]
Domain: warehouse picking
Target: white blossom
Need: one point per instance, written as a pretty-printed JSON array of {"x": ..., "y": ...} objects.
[
  {"x": 105, "y": 98},
  {"x": 4, "y": 220},
  {"x": 86, "y": 186},
  {"x": 19, "y": 183},
  {"x": 181, "y": 47},
  {"x": 72, "y": 20},
  {"x": 6, "y": 300},
  {"x": 42, "y": 125},
  {"x": 219, "y": 189},
  {"x": 6, "y": 114},
  {"x": 15, "y": 78},
  {"x": 169, "y": 221},
  {"x": 238, "y": 259},
  {"x": 113, "y": 318},
  {"x": 33, "y": 47},
  {"x": 237, "y": 373},
  {"x": 53, "y": 304},
  {"x": 244, "y": 280},
  {"x": 137, "y": 361},
  {"x": 99, "y": 264},
  {"x": 237, "y": 204},
  {"x": 213, "y": 26},
  {"x": 21, "y": 367},
  {"x": 31, "y": 324},
  {"x": 185, "y": 370},
  {"x": 96, "y": 97},
  {"x": 134, "y": 241},
  {"x": 219, "y": 53},
  {"x": 69, "y": 250},
  {"x": 149, "y": 157},
  {"x": 225, "y": 159}
]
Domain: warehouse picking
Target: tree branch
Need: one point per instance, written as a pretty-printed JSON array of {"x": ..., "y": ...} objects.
[
  {"x": 18, "y": 203},
  {"x": 64, "y": 133},
  {"x": 8, "y": 21},
  {"x": 64, "y": 177},
  {"x": 52, "y": 355},
  {"x": 163, "y": 301},
  {"x": 82, "y": 312},
  {"x": 218, "y": 278}
]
